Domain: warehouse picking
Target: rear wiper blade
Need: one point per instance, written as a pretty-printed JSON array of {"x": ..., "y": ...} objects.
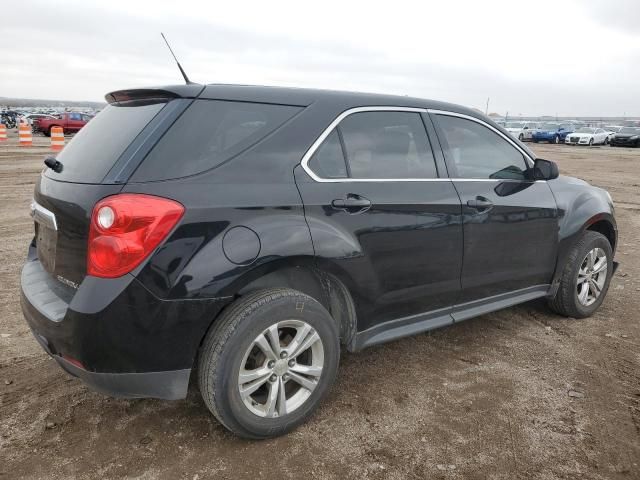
[{"x": 53, "y": 164}]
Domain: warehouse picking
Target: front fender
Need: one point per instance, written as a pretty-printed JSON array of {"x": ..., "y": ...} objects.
[{"x": 580, "y": 206}]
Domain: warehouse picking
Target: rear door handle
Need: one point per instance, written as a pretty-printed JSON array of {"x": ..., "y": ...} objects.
[
  {"x": 352, "y": 203},
  {"x": 480, "y": 203}
]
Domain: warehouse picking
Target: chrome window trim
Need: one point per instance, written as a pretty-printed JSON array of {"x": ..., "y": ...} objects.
[{"x": 327, "y": 131}]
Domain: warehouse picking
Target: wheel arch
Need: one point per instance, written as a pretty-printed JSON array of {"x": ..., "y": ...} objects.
[
  {"x": 606, "y": 228},
  {"x": 327, "y": 286}
]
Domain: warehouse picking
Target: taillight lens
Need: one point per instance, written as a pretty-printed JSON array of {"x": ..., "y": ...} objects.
[{"x": 125, "y": 229}]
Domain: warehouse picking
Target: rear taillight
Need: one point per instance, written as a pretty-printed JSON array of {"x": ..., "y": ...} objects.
[{"x": 125, "y": 229}]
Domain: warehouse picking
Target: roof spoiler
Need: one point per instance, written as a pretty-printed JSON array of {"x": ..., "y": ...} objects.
[{"x": 162, "y": 93}]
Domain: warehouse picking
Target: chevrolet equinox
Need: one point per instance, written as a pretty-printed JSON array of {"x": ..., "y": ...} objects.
[{"x": 247, "y": 234}]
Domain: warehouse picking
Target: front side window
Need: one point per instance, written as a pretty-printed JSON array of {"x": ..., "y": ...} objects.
[
  {"x": 474, "y": 151},
  {"x": 376, "y": 145}
]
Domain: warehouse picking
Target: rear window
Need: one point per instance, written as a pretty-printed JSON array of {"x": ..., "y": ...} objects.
[
  {"x": 209, "y": 133},
  {"x": 94, "y": 150}
]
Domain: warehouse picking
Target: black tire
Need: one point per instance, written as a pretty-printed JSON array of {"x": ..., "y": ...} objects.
[
  {"x": 224, "y": 347},
  {"x": 591, "y": 142},
  {"x": 566, "y": 301},
  {"x": 521, "y": 137},
  {"x": 556, "y": 140}
]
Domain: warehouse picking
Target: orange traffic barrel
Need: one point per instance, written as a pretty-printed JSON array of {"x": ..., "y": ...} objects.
[
  {"x": 24, "y": 133},
  {"x": 57, "y": 138},
  {"x": 3, "y": 133}
]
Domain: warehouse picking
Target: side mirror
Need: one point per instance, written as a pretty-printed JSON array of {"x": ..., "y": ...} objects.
[{"x": 545, "y": 169}]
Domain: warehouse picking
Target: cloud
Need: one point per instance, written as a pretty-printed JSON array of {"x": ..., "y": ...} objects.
[{"x": 527, "y": 60}]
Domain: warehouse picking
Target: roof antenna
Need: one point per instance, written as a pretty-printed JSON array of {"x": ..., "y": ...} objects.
[{"x": 186, "y": 79}]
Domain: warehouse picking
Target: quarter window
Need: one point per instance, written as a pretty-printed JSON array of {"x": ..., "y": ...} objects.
[
  {"x": 474, "y": 151},
  {"x": 376, "y": 145},
  {"x": 209, "y": 133},
  {"x": 328, "y": 161}
]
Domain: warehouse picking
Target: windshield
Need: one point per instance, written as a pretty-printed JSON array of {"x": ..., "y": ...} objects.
[
  {"x": 586, "y": 130},
  {"x": 550, "y": 126},
  {"x": 630, "y": 130},
  {"x": 515, "y": 125},
  {"x": 95, "y": 149}
]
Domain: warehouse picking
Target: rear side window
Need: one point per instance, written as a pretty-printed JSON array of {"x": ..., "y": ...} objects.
[
  {"x": 376, "y": 145},
  {"x": 97, "y": 146},
  {"x": 474, "y": 151},
  {"x": 209, "y": 133}
]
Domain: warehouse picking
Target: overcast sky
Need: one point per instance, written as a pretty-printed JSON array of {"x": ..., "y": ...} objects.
[{"x": 532, "y": 57}]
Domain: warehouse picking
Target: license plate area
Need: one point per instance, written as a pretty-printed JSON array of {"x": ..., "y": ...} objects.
[{"x": 46, "y": 235}]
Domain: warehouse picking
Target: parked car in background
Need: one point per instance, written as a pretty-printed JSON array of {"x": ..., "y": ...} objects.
[
  {"x": 244, "y": 235},
  {"x": 626, "y": 137},
  {"x": 552, "y": 132},
  {"x": 71, "y": 122},
  {"x": 612, "y": 129},
  {"x": 522, "y": 130},
  {"x": 588, "y": 136}
]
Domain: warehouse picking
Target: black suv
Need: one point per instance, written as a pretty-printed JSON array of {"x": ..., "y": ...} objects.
[{"x": 246, "y": 233}]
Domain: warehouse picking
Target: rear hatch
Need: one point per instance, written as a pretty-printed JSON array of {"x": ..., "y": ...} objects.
[{"x": 95, "y": 164}]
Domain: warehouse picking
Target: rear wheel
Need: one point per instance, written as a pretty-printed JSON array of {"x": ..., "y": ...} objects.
[
  {"x": 585, "y": 277},
  {"x": 268, "y": 361},
  {"x": 556, "y": 139}
]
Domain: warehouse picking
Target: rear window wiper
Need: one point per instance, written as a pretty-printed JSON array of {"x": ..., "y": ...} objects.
[{"x": 53, "y": 164}]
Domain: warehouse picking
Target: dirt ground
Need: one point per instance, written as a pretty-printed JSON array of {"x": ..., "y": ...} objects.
[{"x": 520, "y": 393}]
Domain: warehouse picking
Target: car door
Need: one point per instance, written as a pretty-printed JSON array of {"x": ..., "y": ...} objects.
[
  {"x": 600, "y": 136},
  {"x": 510, "y": 221},
  {"x": 381, "y": 217}
]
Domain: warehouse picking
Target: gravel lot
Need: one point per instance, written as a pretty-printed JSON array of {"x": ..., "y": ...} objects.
[{"x": 520, "y": 393}]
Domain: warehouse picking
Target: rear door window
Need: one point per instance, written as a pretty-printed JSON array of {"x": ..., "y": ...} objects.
[
  {"x": 376, "y": 145},
  {"x": 95, "y": 148},
  {"x": 209, "y": 133},
  {"x": 387, "y": 145}
]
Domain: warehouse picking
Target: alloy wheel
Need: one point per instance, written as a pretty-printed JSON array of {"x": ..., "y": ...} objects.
[
  {"x": 280, "y": 369},
  {"x": 592, "y": 276}
]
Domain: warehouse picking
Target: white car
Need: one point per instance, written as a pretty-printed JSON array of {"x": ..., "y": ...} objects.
[
  {"x": 522, "y": 130},
  {"x": 612, "y": 129},
  {"x": 588, "y": 136}
]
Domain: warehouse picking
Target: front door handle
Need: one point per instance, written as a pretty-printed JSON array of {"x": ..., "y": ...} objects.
[
  {"x": 352, "y": 203},
  {"x": 480, "y": 203}
]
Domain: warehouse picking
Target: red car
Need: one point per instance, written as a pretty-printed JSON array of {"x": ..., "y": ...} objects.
[{"x": 71, "y": 122}]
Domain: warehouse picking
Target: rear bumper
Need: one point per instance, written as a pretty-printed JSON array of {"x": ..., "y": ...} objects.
[
  {"x": 169, "y": 385},
  {"x": 114, "y": 334}
]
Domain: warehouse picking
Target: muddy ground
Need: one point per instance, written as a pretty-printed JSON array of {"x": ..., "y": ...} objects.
[{"x": 488, "y": 398}]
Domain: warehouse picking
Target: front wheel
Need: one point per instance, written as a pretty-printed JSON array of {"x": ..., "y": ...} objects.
[
  {"x": 556, "y": 139},
  {"x": 521, "y": 137},
  {"x": 268, "y": 361},
  {"x": 591, "y": 142},
  {"x": 585, "y": 277}
]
